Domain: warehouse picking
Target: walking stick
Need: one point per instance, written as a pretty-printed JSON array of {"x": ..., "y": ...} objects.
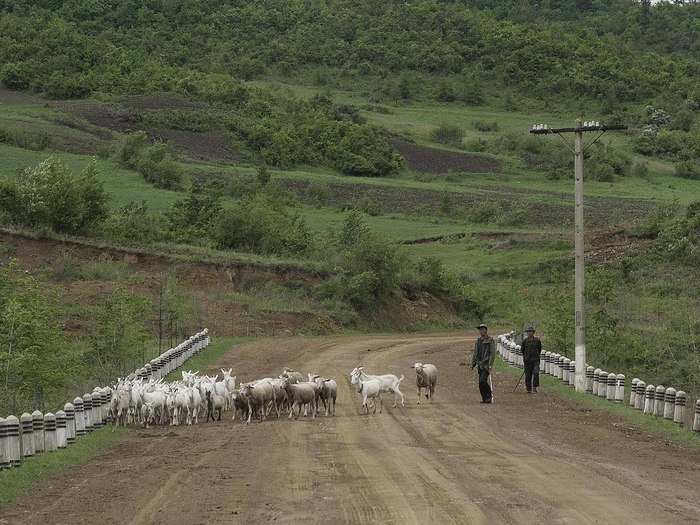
[
  {"x": 491, "y": 386},
  {"x": 518, "y": 383}
]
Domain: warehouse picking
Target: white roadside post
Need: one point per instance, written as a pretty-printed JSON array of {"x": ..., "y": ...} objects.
[
  {"x": 679, "y": 413},
  {"x": 670, "y": 403},
  {"x": 660, "y": 401},
  {"x": 38, "y": 424},
  {"x": 639, "y": 399},
  {"x": 13, "y": 445},
  {"x": 633, "y": 392},
  {"x": 620, "y": 389},
  {"x": 649, "y": 399},
  {"x": 27, "y": 428}
]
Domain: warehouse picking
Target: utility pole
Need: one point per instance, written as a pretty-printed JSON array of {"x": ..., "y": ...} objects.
[{"x": 579, "y": 277}]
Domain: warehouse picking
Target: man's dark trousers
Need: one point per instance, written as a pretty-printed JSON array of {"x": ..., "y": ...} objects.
[
  {"x": 532, "y": 375},
  {"x": 484, "y": 386}
]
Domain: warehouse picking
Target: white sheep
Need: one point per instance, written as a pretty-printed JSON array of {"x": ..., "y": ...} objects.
[
  {"x": 301, "y": 394},
  {"x": 370, "y": 389},
  {"x": 426, "y": 377},
  {"x": 389, "y": 382},
  {"x": 327, "y": 392}
]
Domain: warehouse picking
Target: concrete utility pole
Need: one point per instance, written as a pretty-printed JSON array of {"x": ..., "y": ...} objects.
[{"x": 579, "y": 279}]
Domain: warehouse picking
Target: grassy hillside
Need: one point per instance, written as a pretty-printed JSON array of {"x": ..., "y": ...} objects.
[{"x": 363, "y": 185}]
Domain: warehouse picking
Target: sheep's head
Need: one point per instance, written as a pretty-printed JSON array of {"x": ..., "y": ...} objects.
[{"x": 355, "y": 376}]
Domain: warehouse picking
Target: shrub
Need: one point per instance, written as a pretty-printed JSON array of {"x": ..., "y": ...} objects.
[
  {"x": 49, "y": 195},
  {"x": 17, "y": 76},
  {"x": 134, "y": 224},
  {"x": 485, "y": 127},
  {"x": 687, "y": 170},
  {"x": 153, "y": 161},
  {"x": 34, "y": 140},
  {"x": 448, "y": 134},
  {"x": 191, "y": 219},
  {"x": 259, "y": 224},
  {"x": 640, "y": 169},
  {"x": 364, "y": 151},
  {"x": 369, "y": 271}
]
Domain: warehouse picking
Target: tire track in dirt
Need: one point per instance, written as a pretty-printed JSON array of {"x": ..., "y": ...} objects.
[{"x": 449, "y": 461}]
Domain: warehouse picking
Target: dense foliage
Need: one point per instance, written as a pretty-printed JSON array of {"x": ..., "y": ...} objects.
[
  {"x": 50, "y": 196},
  {"x": 591, "y": 48}
]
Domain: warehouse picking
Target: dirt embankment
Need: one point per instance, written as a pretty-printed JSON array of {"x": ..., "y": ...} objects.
[
  {"x": 525, "y": 459},
  {"x": 237, "y": 299}
]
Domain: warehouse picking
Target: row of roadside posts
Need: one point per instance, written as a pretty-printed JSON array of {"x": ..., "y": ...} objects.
[
  {"x": 38, "y": 433},
  {"x": 667, "y": 403}
]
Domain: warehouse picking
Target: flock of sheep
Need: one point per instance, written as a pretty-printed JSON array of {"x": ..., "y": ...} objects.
[{"x": 196, "y": 397}]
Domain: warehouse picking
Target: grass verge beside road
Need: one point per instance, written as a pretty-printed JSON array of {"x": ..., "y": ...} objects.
[
  {"x": 673, "y": 432},
  {"x": 18, "y": 481}
]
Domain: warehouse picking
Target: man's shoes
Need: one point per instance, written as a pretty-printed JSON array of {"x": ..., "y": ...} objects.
[
  {"x": 486, "y": 402},
  {"x": 534, "y": 390},
  {"x": 529, "y": 391}
]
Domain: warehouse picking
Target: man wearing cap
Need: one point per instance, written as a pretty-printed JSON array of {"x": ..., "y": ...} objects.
[
  {"x": 483, "y": 357},
  {"x": 532, "y": 348}
]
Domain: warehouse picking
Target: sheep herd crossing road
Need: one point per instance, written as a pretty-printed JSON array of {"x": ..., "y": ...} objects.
[{"x": 450, "y": 460}]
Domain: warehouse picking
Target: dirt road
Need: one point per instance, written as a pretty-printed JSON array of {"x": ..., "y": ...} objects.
[{"x": 525, "y": 459}]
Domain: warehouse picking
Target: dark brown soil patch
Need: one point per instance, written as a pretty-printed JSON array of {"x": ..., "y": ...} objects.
[
  {"x": 198, "y": 146},
  {"x": 433, "y": 160},
  {"x": 116, "y": 118},
  {"x": 9, "y": 97}
]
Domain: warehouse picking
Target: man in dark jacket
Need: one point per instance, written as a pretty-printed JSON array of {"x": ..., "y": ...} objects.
[
  {"x": 483, "y": 357},
  {"x": 532, "y": 348}
]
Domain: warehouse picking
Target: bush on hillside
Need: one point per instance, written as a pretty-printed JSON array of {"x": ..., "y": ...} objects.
[
  {"x": 484, "y": 126},
  {"x": 35, "y": 357},
  {"x": 448, "y": 134},
  {"x": 34, "y": 140},
  {"x": 50, "y": 195},
  {"x": 260, "y": 224},
  {"x": 687, "y": 170},
  {"x": 133, "y": 224},
  {"x": 153, "y": 161},
  {"x": 190, "y": 219}
]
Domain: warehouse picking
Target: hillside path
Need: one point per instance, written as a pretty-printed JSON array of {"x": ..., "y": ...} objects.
[{"x": 525, "y": 459}]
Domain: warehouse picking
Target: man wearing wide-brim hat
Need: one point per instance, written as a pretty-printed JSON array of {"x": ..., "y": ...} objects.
[
  {"x": 483, "y": 357},
  {"x": 532, "y": 348}
]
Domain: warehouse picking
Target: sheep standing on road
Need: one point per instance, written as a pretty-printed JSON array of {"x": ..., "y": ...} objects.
[
  {"x": 426, "y": 377},
  {"x": 389, "y": 382},
  {"x": 301, "y": 394},
  {"x": 368, "y": 389},
  {"x": 327, "y": 392}
]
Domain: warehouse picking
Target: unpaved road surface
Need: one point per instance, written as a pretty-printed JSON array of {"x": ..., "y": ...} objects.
[{"x": 525, "y": 459}]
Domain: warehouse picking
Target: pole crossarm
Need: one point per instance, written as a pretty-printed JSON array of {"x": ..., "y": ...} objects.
[{"x": 582, "y": 129}]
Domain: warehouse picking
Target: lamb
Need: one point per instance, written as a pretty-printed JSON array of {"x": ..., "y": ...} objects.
[
  {"x": 300, "y": 394},
  {"x": 389, "y": 382},
  {"x": 370, "y": 389},
  {"x": 293, "y": 376},
  {"x": 327, "y": 392},
  {"x": 426, "y": 377}
]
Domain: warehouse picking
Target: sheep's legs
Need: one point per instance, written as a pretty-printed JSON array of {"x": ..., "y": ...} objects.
[{"x": 419, "y": 393}]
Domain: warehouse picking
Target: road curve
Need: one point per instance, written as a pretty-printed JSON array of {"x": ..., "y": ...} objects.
[{"x": 525, "y": 459}]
